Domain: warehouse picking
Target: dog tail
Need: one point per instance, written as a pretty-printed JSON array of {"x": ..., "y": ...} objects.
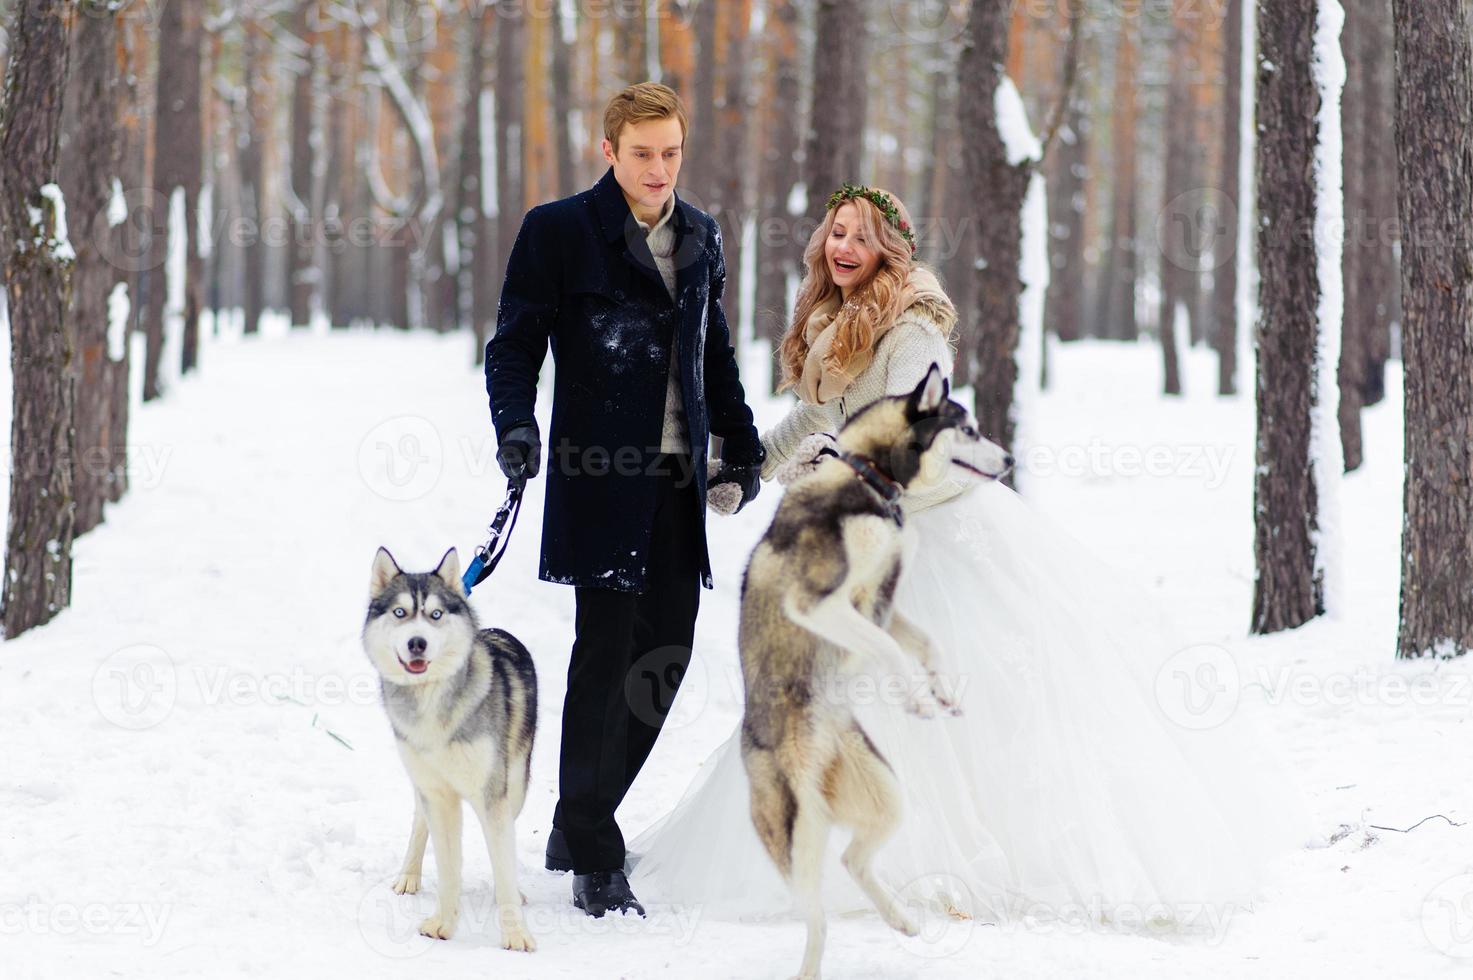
[{"x": 774, "y": 808}]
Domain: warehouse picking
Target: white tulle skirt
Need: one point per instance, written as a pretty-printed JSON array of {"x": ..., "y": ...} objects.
[{"x": 1070, "y": 786}]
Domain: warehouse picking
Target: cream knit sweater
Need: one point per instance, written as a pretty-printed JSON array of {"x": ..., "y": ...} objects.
[{"x": 902, "y": 357}]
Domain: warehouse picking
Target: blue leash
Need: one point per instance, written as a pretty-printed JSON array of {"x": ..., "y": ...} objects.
[{"x": 489, "y": 555}]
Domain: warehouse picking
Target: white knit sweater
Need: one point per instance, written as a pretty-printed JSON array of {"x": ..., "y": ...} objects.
[{"x": 902, "y": 357}]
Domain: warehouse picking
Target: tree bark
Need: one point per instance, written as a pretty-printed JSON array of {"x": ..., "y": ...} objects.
[
  {"x": 1287, "y": 592},
  {"x": 253, "y": 172},
  {"x": 38, "y": 268},
  {"x": 178, "y": 168},
  {"x": 835, "y": 145},
  {"x": 731, "y": 139},
  {"x": 1177, "y": 226},
  {"x": 90, "y": 159},
  {"x": 996, "y": 187},
  {"x": 1378, "y": 270},
  {"x": 477, "y": 287},
  {"x": 700, "y": 151},
  {"x": 562, "y": 106},
  {"x": 1064, "y": 303},
  {"x": 302, "y": 274},
  {"x": 779, "y": 249},
  {"x": 509, "y": 84},
  {"x": 1121, "y": 263},
  {"x": 1434, "y": 143},
  {"x": 1353, "y": 359},
  {"x": 1225, "y": 277}
]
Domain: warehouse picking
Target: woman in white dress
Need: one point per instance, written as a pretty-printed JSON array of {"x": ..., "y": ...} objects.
[{"x": 1064, "y": 789}]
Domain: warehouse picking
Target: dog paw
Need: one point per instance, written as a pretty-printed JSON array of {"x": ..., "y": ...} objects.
[
  {"x": 438, "y": 927},
  {"x": 406, "y": 885},
  {"x": 921, "y": 707},
  {"x": 902, "y": 924},
  {"x": 517, "y": 939}
]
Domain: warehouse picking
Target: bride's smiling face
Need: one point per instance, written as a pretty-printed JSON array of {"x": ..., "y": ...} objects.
[{"x": 851, "y": 260}]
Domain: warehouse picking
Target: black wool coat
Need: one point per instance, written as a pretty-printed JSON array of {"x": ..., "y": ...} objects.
[{"x": 581, "y": 280}]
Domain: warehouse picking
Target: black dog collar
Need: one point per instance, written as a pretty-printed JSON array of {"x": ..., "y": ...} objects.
[{"x": 875, "y": 478}]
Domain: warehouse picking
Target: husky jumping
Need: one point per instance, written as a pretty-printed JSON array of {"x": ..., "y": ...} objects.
[
  {"x": 816, "y": 600},
  {"x": 463, "y": 705}
]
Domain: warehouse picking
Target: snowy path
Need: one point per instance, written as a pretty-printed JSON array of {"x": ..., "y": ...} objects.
[{"x": 198, "y": 777}]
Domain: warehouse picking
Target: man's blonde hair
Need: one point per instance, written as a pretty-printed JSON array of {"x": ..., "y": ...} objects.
[{"x": 641, "y": 103}]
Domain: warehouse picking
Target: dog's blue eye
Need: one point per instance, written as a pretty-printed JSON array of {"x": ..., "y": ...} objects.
[
  {"x": 435, "y": 615},
  {"x": 399, "y": 613}
]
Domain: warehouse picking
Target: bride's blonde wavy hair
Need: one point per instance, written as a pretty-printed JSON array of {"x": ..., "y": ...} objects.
[{"x": 876, "y": 304}]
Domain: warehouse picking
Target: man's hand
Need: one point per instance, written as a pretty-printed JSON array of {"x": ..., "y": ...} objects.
[
  {"x": 729, "y": 478},
  {"x": 520, "y": 453}
]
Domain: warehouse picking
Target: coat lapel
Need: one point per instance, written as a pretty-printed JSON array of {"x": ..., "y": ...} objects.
[{"x": 622, "y": 230}]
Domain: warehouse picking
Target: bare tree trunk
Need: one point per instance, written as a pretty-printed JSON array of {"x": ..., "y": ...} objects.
[
  {"x": 702, "y": 148},
  {"x": 1064, "y": 302},
  {"x": 509, "y": 84},
  {"x": 1434, "y": 143},
  {"x": 1287, "y": 591},
  {"x": 1225, "y": 277},
  {"x": 731, "y": 139},
  {"x": 38, "y": 268},
  {"x": 90, "y": 160},
  {"x": 778, "y": 245},
  {"x": 1353, "y": 360},
  {"x": 302, "y": 258},
  {"x": 1121, "y": 263},
  {"x": 835, "y": 146},
  {"x": 562, "y": 107},
  {"x": 996, "y": 187},
  {"x": 1177, "y": 228},
  {"x": 477, "y": 289},
  {"x": 253, "y": 172},
  {"x": 1379, "y": 290}
]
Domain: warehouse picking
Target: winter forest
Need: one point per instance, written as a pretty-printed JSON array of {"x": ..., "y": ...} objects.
[{"x": 1212, "y": 265}]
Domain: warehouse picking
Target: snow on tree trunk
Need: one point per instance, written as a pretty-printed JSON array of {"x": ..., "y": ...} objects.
[
  {"x": 89, "y": 165},
  {"x": 38, "y": 260},
  {"x": 1300, "y": 74},
  {"x": 1001, "y": 158},
  {"x": 1434, "y": 141}
]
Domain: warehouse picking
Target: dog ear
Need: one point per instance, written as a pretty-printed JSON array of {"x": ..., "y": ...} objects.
[
  {"x": 449, "y": 569},
  {"x": 931, "y": 393},
  {"x": 385, "y": 568}
]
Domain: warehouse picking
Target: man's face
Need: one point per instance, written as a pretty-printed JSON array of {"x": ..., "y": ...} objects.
[{"x": 648, "y": 161}]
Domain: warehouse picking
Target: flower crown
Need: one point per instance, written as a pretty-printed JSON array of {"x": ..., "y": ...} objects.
[{"x": 881, "y": 200}]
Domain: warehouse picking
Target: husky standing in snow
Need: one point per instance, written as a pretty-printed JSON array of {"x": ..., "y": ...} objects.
[
  {"x": 463, "y": 705},
  {"x": 817, "y": 594}
]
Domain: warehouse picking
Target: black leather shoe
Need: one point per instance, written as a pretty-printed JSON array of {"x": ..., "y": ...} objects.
[
  {"x": 558, "y": 857},
  {"x": 604, "y": 891}
]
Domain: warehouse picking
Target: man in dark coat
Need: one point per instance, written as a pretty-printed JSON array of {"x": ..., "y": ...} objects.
[{"x": 624, "y": 282}]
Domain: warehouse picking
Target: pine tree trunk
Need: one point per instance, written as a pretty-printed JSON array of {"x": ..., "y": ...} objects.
[
  {"x": 1064, "y": 303},
  {"x": 699, "y": 172},
  {"x": 1379, "y": 290},
  {"x": 1286, "y": 592},
  {"x": 562, "y": 106},
  {"x": 38, "y": 268},
  {"x": 731, "y": 139},
  {"x": 1353, "y": 359},
  {"x": 509, "y": 84},
  {"x": 1434, "y": 143},
  {"x": 302, "y": 259},
  {"x": 1121, "y": 263},
  {"x": 253, "y": 174},
  {"x": 779, "y": 250},
  {"x": 835, "y": 147},
  {"x": 1225, "y": 277},
  {"x": 1177, "y": 224},
  {"x": 90, "y": 159},
  {"x": 996, "y": 188},
  {"x": 477, "y": 286}
]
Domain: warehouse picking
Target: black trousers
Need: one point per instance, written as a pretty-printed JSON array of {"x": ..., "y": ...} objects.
[{"x": 630, "y": 653}]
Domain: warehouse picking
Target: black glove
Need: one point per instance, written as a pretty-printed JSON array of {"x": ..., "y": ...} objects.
[
  {"x": 749, "y": 478},
  {"x": 520, "y": 452}
]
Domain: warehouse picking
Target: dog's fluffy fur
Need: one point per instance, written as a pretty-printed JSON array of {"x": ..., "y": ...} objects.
[
  {"x": 463, "y": 705},
  {"x": 818, "y": 591}
]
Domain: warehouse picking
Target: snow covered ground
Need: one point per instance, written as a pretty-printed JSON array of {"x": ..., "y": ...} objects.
[{"x": 198, "y": 778}]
